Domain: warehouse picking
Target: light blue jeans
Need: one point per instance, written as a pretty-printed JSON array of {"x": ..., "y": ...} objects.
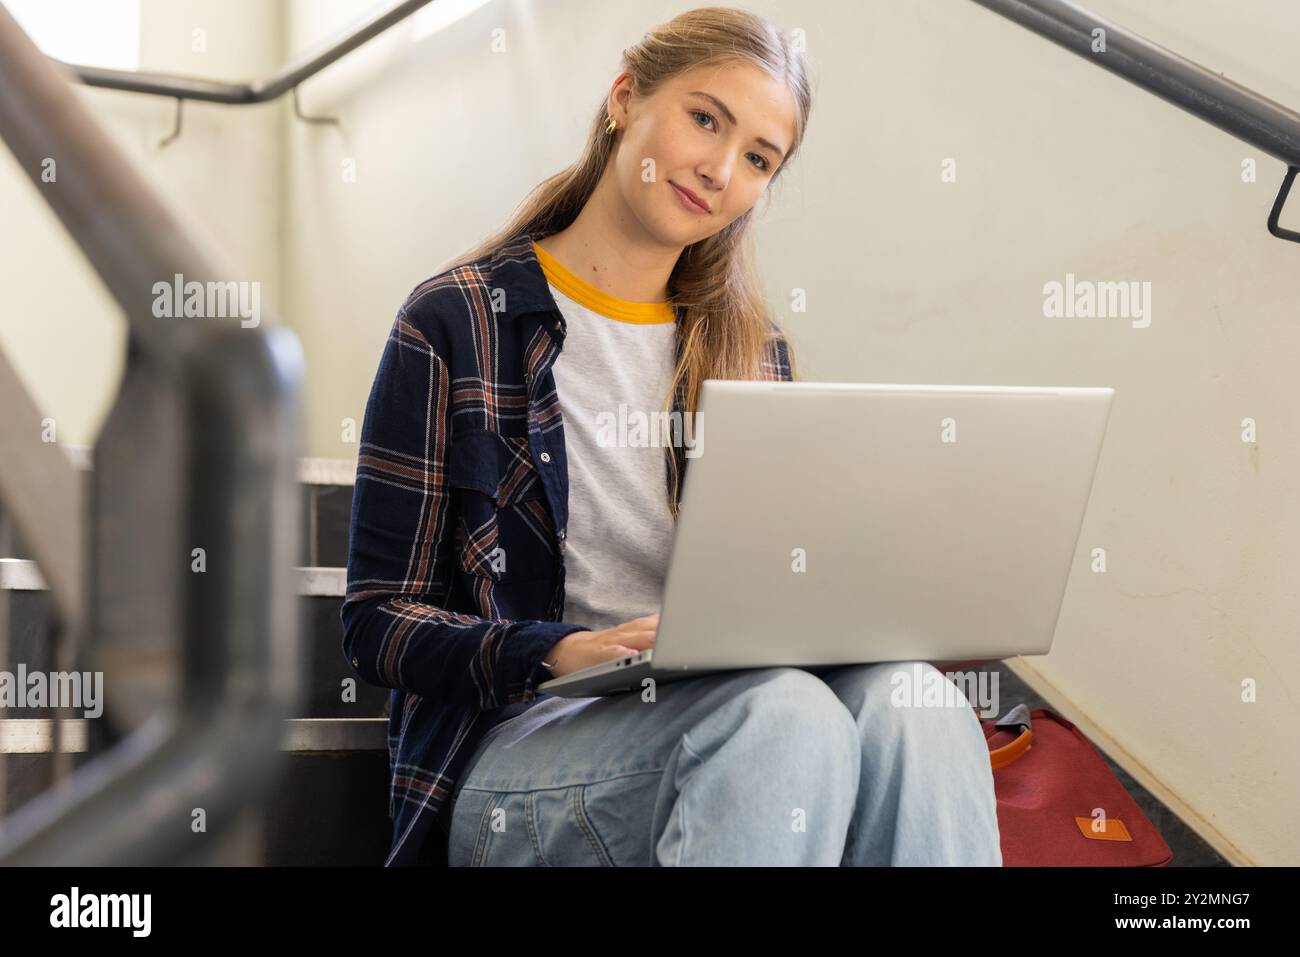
[{"x": 769, "y": 766}]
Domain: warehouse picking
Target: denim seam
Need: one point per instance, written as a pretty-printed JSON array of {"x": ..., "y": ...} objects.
[
  {"x": 530, "y": 819},
  {"x": 484, "y": 789},
  {"x": 588, "y": 828},
  {"x": 480, "y": 848},
  {"x": 686, "y": 745},
  {"x": 681, "y": 803}
]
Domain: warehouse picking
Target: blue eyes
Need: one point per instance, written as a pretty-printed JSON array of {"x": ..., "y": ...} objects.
[
  {"x": 702, "y": 113},
  {"x": 761, "y": 159}
]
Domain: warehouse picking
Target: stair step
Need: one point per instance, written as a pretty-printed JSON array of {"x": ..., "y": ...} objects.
[
  {"x": 36, "y": 735},
  {"x": 326, "y": 674},
  {"x": 23, "y": 574},
  {"x": 328, "y": 808},
  {"x": 326, "y": 504}
]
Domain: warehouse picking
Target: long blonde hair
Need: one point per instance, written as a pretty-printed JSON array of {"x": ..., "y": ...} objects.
[{"x": 726, "y": 327}]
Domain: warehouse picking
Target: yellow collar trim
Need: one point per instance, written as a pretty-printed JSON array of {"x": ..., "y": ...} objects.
[{"x": 597, "y": 300}]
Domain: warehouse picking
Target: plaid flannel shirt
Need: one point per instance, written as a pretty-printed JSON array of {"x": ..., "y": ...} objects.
[{"x": 461, "y": 463}]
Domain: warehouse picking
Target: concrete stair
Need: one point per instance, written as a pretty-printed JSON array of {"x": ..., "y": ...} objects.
[{"x": 331, "y": 805}]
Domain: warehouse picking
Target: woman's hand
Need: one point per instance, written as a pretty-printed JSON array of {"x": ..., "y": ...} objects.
[{"x": 582, "y": 649}]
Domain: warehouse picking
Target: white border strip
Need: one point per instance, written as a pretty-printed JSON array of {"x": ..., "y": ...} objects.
[
  {"x": 36, "y": 735},
  {"x": 322, "y": 582},
  {"x": 20, "y": 574},
  {"x": 327, "y": 471},
  {"x": 311, "y": 471},
  {"x": 23, "y": 574}
]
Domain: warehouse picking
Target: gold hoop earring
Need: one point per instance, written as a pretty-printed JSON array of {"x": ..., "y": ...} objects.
[{"x": 611, "y": 125}]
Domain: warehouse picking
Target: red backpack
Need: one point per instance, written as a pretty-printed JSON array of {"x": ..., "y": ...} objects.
[{"x": 1059, "y": 804}]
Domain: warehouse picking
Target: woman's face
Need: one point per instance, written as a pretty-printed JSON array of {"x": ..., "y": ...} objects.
[{"x": 719, "y": 132}]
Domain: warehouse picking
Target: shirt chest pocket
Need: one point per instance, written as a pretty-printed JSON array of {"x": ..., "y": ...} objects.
[{"x": 503, "y": 525}]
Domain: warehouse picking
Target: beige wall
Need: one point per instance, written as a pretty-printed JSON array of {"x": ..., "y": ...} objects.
[
  {"x": 1061, "y": 168},
  {"x": 58, "y": 325}
]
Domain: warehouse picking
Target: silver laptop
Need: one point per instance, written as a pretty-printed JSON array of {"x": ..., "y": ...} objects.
[{"x": 838, "y": 523}]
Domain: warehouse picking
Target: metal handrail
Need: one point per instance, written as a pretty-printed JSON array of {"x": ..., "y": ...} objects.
[
  {"x": 1265, "y": 124},
  {"x": 41, "y": 475},
  {"x": 236, "y": 392},
  {"x": 254, "y": 91}
]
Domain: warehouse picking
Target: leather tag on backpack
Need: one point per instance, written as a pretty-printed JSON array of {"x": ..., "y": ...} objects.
[{"x": 1114, "y": 831}]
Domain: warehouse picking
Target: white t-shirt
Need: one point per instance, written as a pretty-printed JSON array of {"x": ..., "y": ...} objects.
[{"x": 611, "y": 379}]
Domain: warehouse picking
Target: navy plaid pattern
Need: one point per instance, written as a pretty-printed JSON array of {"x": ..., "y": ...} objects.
[{"x": 457, "y": 535}]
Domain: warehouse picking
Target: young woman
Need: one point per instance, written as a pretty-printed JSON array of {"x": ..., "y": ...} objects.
[{"x": 507, "y": 527}]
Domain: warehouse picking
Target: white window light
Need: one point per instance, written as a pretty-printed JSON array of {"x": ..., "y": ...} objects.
[
  {"x": 104, "y": 33},
  {"x": 441, "y": 13}
]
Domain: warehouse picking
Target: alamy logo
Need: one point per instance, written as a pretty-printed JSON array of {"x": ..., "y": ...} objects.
[
  {"x": 1098, "y": 300},
  {"x": 57, "y": 689},
  {"x": 640, "y": 430},
  {"x": 102, "y": 910},
  {"x": 213, "y": 300},
  {"x": 931, "y": 688}
]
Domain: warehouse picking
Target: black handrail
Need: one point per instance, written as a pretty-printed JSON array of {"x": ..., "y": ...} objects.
[
  {"x": 1265, "y": 124},
  {"x": 254, "y": 91},
  {"x": 235, "y": 395}
]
